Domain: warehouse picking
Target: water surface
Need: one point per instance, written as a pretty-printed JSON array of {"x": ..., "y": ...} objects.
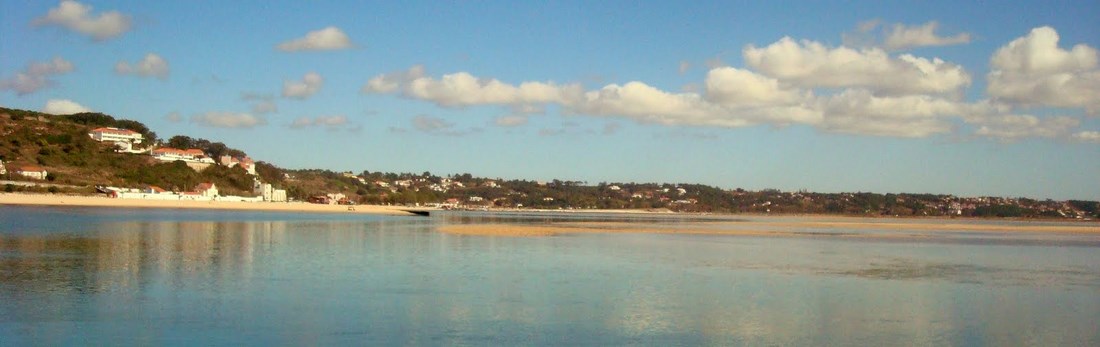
[{"x": 77, "y": 276}]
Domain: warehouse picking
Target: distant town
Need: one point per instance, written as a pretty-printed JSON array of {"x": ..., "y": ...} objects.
[{"x": 92, "y": 153}]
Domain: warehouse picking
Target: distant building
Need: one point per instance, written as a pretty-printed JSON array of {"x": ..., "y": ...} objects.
[
  {"x": 153, "y": 190},
  {"x": 124, "y": 139},
  {"x": 271, "y": 194},
  {"x": 2, "y": 169},
  {"x": 194, "y": 155},
  {"x": 245, "y": 163},
  {"x": 30, "y": 171},
  {"x": 206, "y": 189}
]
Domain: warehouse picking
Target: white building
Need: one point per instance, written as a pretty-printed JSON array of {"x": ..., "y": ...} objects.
[
  {"x": 206, "y": 189},
  {"x": 2, "y": 169},
  {"x": 245, "y": 163},
  {"x": 188, "y": 155},
  {"x": 124, "y": 139},
  {"x": 29, "y": 171},
  {"x": 271, "y": 194}
]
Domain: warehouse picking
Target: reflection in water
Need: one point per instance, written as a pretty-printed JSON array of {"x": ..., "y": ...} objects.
[{"x": 122, "y": 277}]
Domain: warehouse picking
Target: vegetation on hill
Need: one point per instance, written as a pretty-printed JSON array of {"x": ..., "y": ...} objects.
[{"x": 61, "y": 144}]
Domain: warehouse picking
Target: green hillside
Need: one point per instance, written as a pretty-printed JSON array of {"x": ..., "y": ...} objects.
[{"x": 61, "y": 145}]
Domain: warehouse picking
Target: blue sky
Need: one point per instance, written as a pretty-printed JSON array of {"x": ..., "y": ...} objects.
[{"x": 921, "y": 97}]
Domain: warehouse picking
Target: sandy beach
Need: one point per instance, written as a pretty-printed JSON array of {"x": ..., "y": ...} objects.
[{"x": 98, "y": 201}]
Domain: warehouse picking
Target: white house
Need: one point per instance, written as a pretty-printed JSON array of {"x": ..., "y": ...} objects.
[
  {"x": 206, "y": 189},
  {"x": 125, "y": 139},
  {"x": 188, "y": 155},
  {"x": 30, "y": 171},
  {"x": 2, "y": 169},
  {"x": 245, "y": 163}
]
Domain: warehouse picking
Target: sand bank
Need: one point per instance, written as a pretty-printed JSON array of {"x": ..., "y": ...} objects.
[
  {"x": 809, "y": 228},
  {"x": 98, "y": 201}
]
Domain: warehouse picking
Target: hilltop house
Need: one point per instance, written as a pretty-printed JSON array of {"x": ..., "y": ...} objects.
[
  {"x": 124, "y": 139},
  {"x": 246, "y": 163},
  {"x": 193, "y": 155},
  {"x": 30, "y": 171}
]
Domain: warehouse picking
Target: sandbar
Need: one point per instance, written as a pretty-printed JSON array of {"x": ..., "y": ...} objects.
[
  {"x": 811, "y": 228},
  {"x": 100, "y": 201}
]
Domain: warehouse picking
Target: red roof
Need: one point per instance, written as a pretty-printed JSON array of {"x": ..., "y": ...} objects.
[{"x": 202, "y": 187}]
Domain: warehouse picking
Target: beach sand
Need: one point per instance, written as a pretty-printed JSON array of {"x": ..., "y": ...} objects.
[{"x": 99, "y": 201}]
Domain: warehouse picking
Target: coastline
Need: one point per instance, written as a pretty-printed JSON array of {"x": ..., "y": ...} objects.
[
  {"x": 99, "y": 201},
  {"x": 813, "y": 226}
]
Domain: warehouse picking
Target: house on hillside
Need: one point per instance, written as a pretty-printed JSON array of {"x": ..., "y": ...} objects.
[
  {"x": 30, "y": 171},
  {"x": 2, "y": 169},
  {"x": 206, "y": 189},
  {"x": 245, "y": 163},
  {"x": 124, "y": 139},
  {"x": 193, "y": 155}
]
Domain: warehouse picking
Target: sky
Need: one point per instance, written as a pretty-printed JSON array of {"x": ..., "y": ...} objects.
[{"x": 942, "y": 97}]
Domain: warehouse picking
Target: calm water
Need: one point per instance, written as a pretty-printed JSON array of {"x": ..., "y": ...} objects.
[{"x": 80, "y": 276}]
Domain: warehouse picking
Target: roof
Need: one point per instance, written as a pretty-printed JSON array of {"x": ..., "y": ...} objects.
[
  {"x": 204, "y": 186},
  {"x": 116, "y": 131}
]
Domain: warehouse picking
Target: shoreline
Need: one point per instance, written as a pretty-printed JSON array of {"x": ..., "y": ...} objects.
[
  {"x": 870, "y": 229},
  {"x": 18, "y": 199}
]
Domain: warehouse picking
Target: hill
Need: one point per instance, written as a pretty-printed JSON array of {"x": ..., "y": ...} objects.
[{"x": 61, "y": 144}]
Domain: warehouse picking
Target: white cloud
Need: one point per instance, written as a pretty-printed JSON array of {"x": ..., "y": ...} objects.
[
  {"x": 78, "y": 17},
  {"x": 261, "y": 103},
  {"x": 903, "y": 37},
  {"x": 1012, "y": 127},
  {"x": 63, "y": 106},
  {"x": 858, "y": 111},
  {"x": 228, "y": 120},
  {"x": 1034, "y": 71},
  {"x": 36, "y": 76},
  {"x": 310, "y": 84},
  {"x": 511, "y": 121},
  {"x": 647, "y": 104},
  {"x": 742, "y": 88},
  {"x": 329, "y": 122},
  {"x": 173, "y": 117},
  {"x": 394, "y": 81},
  {"x": 152, "y": 65},
  {"x": 812, "y": 64},
  {"x": 462, "y": 89},
  {"x": 1087, "y": 136},
  {"x": 327, "y": 39},
  {"x": 431, "y": 124}
]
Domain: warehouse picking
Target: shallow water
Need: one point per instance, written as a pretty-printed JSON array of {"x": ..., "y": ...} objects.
[{"x": 77, "y": 276}]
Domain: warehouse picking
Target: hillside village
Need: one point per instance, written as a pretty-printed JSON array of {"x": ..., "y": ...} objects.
[{"x": 97, "y": 154}]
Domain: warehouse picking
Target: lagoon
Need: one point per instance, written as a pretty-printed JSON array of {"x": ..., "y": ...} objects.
[{"x": 100, "y": 276}]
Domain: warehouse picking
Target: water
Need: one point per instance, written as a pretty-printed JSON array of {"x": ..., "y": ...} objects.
[{"x": 80, "y": 276}]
